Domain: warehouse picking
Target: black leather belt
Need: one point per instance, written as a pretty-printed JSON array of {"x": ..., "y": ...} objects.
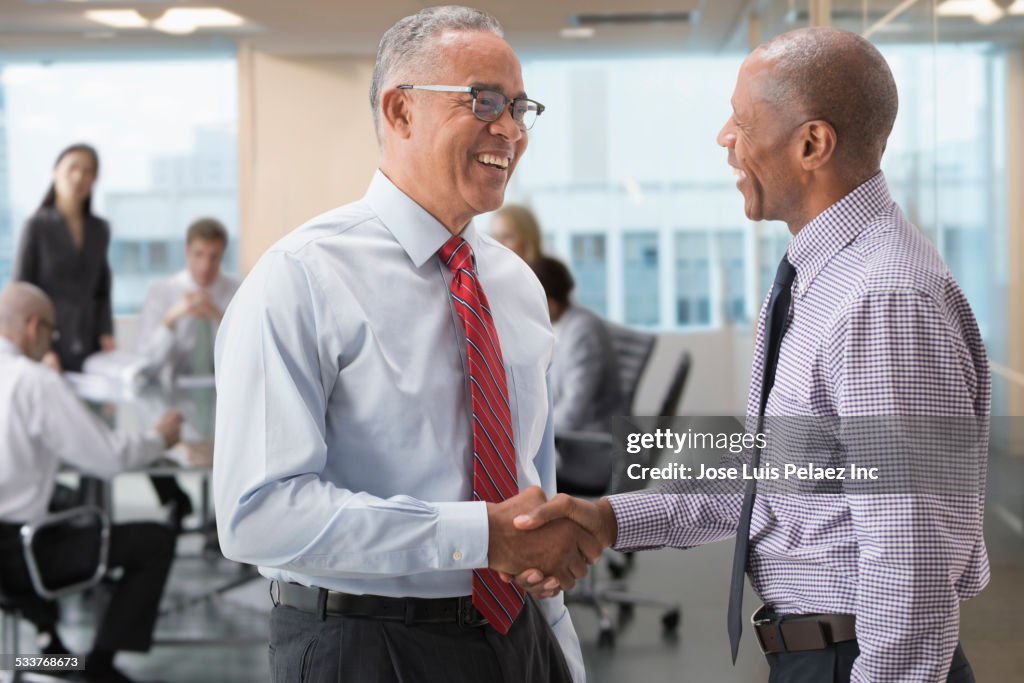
[
  {"x": 801, "y": 632},
  {"x": 407, "y": 610}
]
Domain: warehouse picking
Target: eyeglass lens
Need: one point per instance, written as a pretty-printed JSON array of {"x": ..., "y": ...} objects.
[{"x": 489, "y": 105}]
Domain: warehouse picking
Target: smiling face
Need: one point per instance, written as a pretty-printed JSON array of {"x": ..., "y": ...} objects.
[
  {"x": 763, "y": 150},
  {"x": 452, "y": 163}
]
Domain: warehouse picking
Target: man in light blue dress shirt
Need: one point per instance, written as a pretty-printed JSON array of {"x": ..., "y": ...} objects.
[{"x": 344, "y": 463}]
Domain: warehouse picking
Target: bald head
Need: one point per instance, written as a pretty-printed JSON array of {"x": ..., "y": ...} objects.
[
  {"x": 20, "y": 301},
  {"x": 24, "y": 310},
  {"x": 838, "y": 77}
]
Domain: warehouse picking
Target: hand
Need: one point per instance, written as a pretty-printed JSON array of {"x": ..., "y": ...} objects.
[
  {"x": 559, "y": 548},
  {"x": 107, "y": 342},
  {"x": 597, "y": 518},
  {"x": 535, "y": 583},
  {"x": 203, "y": 306},
  {"x": 52, "y": 361},
  {"x": 197, "y": 304},
  {"x": 178, "y": 311},
  {"x": 169, "y": 427}
]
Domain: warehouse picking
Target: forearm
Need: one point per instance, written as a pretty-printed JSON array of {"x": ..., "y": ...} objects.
[
  {"x": 307, "y": 525},
  {"x": 674, "y": 516},
  {"x": 84, "y": 442}
]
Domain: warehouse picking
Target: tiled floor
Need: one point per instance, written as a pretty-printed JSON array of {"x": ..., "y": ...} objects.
[{"x": 698, "y": 578}]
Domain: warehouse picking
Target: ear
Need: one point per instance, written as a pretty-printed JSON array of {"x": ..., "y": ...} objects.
[
  {"x": 32, "y": 327},
  {"x": 817, "y": 144},
  {"x": 396, "y": 111}
]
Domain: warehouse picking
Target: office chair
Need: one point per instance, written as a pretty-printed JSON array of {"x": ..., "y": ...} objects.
[
  {"x": 634, "y": 350},
  {"x": 11, "y": 606}
]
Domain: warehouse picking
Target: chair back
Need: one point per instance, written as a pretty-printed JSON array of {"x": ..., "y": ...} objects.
[
  {"x": 633, "y": 350},
  {"x": 674, "y": 393}
]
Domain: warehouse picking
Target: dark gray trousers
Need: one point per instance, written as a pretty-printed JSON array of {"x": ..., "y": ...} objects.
[
  {"x": 834, "y": 665},
  {"x": 306, "y": 649}
]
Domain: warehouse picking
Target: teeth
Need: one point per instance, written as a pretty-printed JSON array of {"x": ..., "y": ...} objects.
[
  {"x": 738, "y": 173},
  {"x": 500, "y": 162}
]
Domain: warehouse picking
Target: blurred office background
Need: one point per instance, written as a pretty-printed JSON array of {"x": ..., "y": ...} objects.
[
  {"x": 259, "y": 115},
  {"x": 264, "y": 121}
]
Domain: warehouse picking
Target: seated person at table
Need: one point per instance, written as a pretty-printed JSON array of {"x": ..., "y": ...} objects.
[
  {"x": 182, "y": 312},
  {"x": 42, "y": 425},
  {"x": 179, "y": 321},
  {"x": 585, "y": 387}
]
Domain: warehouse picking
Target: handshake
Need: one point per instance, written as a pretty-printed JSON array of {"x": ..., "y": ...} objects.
[{"x": 546, "y": 545}]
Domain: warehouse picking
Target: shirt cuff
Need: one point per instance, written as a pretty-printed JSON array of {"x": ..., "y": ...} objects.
[
  {"x": 642, "y": 520},
  {"x": 462, "y": 535}
]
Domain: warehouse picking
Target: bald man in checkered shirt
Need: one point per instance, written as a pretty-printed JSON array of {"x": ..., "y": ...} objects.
[{"x": 877, "y": 329}]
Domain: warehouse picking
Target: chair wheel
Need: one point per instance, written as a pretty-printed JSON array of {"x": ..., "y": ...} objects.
[
  {"x": 606, "y": 638},
  {"x": 670, "y": 621}
]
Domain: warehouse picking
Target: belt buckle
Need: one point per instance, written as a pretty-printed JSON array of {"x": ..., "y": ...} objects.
[
  {"x": 760, "y": 619},
  {"x": 468, "y": 615},
  {"x": 766, "y": 648}
]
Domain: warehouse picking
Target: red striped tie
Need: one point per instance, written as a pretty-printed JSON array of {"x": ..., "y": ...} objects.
[{"x": 494, "y": 454}]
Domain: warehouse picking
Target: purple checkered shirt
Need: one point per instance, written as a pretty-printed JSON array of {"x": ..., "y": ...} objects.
[{"x": 878, "y": 327}]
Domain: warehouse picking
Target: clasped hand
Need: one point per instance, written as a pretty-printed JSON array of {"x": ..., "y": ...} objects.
[{"x": 547, "y": 545}]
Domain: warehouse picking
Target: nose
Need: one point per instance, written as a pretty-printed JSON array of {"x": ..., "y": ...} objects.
[
  {"x": 725, "y": 137},
  {"x": 506, "y": 127}
]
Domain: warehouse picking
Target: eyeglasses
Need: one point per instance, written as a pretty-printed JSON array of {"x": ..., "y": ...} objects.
[{"x": 489, "y": 105}]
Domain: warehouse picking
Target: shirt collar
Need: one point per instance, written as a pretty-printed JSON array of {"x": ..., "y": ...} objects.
[
  {"x": 185, "y": 279},
  {"x": 419, "y": 233},
  {"x": 837, "y": 226},
  {"x": 7, "y": 347}
]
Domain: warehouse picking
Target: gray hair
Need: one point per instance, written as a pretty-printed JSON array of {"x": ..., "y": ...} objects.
[
  {"x": 409, "y": 45},
  {"x": 839, "y": 77}
]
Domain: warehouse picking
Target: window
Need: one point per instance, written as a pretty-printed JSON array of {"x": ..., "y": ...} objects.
[
  {"x": 640, "y": 284},
  {"x": 589, "y": 270},
  {"x": 693, "y": 266},
  {"x": 618, "y": 183},
  {"x": 166, "y": 135}
]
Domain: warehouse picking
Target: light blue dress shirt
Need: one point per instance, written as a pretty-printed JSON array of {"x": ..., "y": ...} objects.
[{"x": 344, "y": 448}]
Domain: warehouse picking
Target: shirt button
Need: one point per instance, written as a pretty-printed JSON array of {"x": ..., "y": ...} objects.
[
  {"x": 803, "y": 287},
  {"x": 457, "y": 555}
]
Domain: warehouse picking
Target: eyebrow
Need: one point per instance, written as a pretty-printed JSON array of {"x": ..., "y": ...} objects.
[{"x": 497, "y": 88}]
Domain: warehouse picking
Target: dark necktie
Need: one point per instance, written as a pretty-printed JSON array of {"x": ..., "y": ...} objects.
[
  {"x": 775, "y": 320},
  {"x": 494, "y": 454}
]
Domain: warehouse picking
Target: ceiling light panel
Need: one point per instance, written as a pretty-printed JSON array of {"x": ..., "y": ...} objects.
[{"x": 118, "y": 18}]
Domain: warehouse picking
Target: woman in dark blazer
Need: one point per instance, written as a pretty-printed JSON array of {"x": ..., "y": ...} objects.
[{"x": 63, "y": 251}]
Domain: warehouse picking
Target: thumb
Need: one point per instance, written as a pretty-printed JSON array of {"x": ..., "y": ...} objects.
[{"x": 558, "y": 507}]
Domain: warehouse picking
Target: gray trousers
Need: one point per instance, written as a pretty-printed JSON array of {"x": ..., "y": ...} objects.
[
  {"x": 834, "y": 665},
  {"x": 306, "y": 649}
]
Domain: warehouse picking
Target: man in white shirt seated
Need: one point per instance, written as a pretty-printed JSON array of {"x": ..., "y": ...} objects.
[
  {"x": 179, "y": 321},
  {"x": 182, "y": 312},
  {"x": 43, "y": 424}
]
